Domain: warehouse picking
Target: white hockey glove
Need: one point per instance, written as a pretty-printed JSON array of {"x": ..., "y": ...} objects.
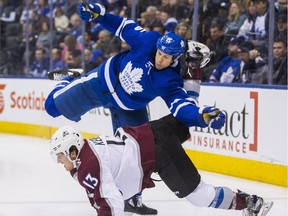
[
  {"x": 212, "y": 117},
  {"x": 59, "y": 74},
  {"x": 91, "y": 11}
]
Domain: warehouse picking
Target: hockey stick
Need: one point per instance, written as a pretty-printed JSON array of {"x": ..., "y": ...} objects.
[{"x": 58, "y": 74}]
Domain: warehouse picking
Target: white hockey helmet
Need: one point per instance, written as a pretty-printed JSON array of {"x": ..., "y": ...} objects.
[
  {"x": 197, "y": 53},
  {"x": 63, "y": 139}
]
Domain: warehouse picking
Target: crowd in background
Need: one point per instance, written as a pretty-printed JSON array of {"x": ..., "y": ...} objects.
[{"x": 42, "y": 35}]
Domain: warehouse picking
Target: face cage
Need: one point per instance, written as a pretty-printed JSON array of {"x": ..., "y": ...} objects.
[{"x": 194, "y": 62}]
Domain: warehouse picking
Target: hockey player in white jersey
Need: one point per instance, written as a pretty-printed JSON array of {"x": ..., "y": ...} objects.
[{"x": 114, "y": 168}]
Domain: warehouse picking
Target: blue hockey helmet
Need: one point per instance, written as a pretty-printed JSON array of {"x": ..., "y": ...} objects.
[{"x": 172, "y": 44}]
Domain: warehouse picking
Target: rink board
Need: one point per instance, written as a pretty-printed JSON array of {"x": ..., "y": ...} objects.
[{"x": 252, "y": 145}]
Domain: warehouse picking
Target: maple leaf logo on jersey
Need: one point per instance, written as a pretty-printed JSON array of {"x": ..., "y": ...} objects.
[{"x": 130, "y": 77}]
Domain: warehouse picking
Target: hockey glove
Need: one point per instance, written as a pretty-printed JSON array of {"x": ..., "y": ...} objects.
[
  {"x": 59, "y": 74},
  {"x": 91, "y": 11},
  {"x": 211, "y": 116}
]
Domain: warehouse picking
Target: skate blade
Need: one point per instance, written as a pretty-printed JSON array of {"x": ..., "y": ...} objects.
[{"x": 266, "y": 208}]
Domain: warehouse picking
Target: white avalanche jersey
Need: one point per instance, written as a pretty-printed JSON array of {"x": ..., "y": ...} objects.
[{"x": 111, "y": 170}]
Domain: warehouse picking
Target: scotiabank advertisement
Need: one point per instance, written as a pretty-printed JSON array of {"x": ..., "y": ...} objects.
[{"x": 256, "y": 119}]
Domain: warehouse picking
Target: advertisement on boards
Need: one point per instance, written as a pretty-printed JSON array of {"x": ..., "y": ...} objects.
[{"x": 256, "y": 123}]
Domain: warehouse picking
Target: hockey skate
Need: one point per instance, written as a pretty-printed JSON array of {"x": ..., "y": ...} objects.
[
  {"x": 135, "y": 206},
  {"x": 256, "y": 206},
  {"x": 59, "y": 74}
]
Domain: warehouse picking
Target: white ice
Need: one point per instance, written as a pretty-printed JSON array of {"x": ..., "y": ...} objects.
[{"x": 32, "y": 185}]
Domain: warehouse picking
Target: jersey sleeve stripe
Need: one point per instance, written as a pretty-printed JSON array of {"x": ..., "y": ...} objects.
[
  {"x": 110, "y": 86},
  {"x": 122, "y": 26},
  {"x": 74, "y": 83}
]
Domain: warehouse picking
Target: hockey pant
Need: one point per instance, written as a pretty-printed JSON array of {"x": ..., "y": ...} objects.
[{"x": 179, "y": 173}]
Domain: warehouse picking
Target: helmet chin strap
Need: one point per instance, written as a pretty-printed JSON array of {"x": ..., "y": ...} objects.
[{"x": 176, "y": 59}]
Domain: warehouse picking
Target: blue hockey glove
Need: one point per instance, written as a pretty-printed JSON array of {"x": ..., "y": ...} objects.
[
  {"x": 91, "y": 11},
  {"x": 212, "y": 116}
]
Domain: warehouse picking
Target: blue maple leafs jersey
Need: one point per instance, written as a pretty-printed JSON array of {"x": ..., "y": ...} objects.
[{"x": 130, "y": 80}]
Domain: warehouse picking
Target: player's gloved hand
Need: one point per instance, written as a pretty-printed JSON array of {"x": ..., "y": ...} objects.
[
  {"x": 91, "y": 11},
  {"x": 211, "y": 116}
]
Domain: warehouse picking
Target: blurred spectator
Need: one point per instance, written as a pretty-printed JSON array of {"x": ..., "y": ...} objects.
[
  {"x": 229, "y": 68},
  {"x": 188, "y": 11},
  {"x": 247, "y": 28},
  {"x": 96, "y": 59},
  {"x": 88, "y": 41},
  {"x": 45, "y": 38},
  {"x": 281, "y": 27},
  {"x": 159, "y": 27},
  {"x": 235, "y": 20},
  {"x": 177, "y": 7},
  {"x": 76, "y": 60},
  {"x": 57, "y": 4},
  {"x": 28, "y": 33},
  {"x": 71, "y": 8},
  {"x": 126, "y": 10},
  {"x": 253, "y": 63},
  {"x": 104, "y": 38},
  {"x": 165, "y": 5},
  {"x": 260, "y": 33},
  {"x": 151, "y": 15},
  {"x": 56, "y": 60},
  {"x": 213, "y": 13},
  {"x": 43, "y": 8},
  {"x": 27, "y": 13},
  {"x": 222, "y": 16},
  {"x": 87, "y": 64},
  {"x": 281, "y": 6},
  {"x": 168, "y": 20},
  {"x": 70, "y": 44},
  {"x": 217, "y": 44},
  {"x": 40, "y": 65},
  {"x": 94, "y": 29},
  {"x": 61, "y": 21},
  {"x": 115, "y": 6},
  {"x": 148, "y": 3},
  {"x": 143, "y": 19},
  {"x": 76, "y": 26},
  {"x": 184, "y": 30},
  {"x": 7, "y": 12},
  {"x": 158, "y": 16},
  {"x": 280, "y": 62},
  {"x": 279, "y": 76}
]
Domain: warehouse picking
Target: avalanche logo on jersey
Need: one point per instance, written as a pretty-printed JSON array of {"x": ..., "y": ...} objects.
[{"x": 130, "y": 77}]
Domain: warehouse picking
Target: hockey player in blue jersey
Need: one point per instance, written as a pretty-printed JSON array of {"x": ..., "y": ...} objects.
[{"x": 127, "y": 82}]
